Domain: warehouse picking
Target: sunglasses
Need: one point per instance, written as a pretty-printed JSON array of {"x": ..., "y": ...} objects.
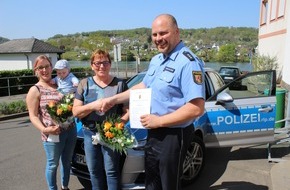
[{"x": 99, "y": 63}]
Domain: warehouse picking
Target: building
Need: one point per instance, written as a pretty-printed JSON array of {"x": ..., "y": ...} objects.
[
  {"x": 274, "y": 36},
  {"x": 274, "y": 39},
  {"x": 20, "y": 54}
]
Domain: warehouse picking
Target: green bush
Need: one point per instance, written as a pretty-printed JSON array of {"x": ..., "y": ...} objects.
[
  {"x": 13, "y": 107},
  {"x": 264, "y": 62}
]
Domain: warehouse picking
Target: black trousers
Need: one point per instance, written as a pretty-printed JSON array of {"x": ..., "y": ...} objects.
[{"x": 164, "y": 155}]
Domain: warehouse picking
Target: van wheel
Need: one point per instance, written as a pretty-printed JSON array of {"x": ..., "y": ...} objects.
[{"x": 194, "y": 161}]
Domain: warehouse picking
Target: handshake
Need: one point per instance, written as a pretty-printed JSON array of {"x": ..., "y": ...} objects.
[{"x": 103, "y": 105}]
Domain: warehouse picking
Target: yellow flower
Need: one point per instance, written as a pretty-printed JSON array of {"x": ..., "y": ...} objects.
[{"x": 107, "y": 126}]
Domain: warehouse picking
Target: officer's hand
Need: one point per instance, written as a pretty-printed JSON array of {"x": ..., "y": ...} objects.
[{"x": 150, "y": 121}]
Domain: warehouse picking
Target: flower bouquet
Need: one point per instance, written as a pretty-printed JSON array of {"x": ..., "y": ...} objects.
[
  {"x": 61, "y": 111},
  {"x": 114, "y": 134}
]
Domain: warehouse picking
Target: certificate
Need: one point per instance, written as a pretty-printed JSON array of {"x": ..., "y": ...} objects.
[
  {"x": 53, "y": 138},
  {"x": 139, "y": 104}
]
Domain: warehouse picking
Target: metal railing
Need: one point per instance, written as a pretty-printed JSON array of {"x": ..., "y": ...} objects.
[{"x": 20, "y": 85}]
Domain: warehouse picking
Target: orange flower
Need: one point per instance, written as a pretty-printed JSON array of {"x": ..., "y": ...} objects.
[
  {"x": 119, "y": 125},
  {"x": 69, "y": 108},
  {"x": 51, "y": 104},
  {"x": 109, "y": 135},
  {"x": 59, "y": 111},
  {"x": 107, "y": 126}
]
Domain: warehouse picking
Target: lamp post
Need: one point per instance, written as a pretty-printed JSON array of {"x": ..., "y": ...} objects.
[
  {"x": 137, "y": 59},
  {"x": 117, "y": 51}
]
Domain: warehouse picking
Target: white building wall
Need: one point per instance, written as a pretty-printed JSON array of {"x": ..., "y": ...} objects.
[
  {"x": 286, "y": 61},
  {"x": 274, "y": 47},
  {"x": 272, "y": 37},
  {"x": 10, "y": 62},
  {"x": 13, "y": 62}
]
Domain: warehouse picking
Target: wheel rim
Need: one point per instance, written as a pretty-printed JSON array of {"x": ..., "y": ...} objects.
[{"x": 193, "y": 161}]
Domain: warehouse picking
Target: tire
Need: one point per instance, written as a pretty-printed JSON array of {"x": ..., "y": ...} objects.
[{"x": 194, "y": 161}]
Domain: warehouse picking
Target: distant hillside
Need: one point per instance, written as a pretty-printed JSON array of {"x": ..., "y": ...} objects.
[
  {"x": 205, "y": 42},
  {"x": 2, "y": 40}
]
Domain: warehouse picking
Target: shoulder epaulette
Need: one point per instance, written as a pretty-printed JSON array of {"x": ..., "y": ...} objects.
[{"x": 188, "y": 55}]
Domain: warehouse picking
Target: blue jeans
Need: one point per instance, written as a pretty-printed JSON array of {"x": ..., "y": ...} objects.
[
  {"x": 59, "y": 150},
  {"x": 103, "y": 164}
]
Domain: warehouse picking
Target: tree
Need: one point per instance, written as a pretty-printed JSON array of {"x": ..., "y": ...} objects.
[
  {"x": 130, "y": 56},
  {"x": 227, "y": 53}
]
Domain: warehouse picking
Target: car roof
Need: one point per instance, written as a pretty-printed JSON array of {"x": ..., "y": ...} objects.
[
  {"x": 234, "y": 67},
  {"x": 209, "y": 69}
]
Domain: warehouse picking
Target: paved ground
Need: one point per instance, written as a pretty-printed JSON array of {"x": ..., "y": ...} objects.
[
  {"x": 12, "y": 98},
  {"x": 238, "y": 168}
]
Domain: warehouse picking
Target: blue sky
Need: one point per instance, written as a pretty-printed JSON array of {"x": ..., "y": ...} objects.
[{"x": 45, "y": 18}]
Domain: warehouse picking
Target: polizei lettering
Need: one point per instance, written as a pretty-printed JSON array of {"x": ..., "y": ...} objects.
[{"x": 246, "y": 118}]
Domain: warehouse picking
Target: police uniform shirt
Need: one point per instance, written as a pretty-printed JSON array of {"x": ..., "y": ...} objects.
[{"x": 175, "y": 80}]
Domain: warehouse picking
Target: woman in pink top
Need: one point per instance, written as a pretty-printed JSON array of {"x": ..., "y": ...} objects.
[{"x": 57, "y": 142}]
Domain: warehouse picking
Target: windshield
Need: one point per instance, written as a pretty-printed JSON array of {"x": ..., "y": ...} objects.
[
  {"x": 229, "y": 71},
  {"x": 135, "y": 80}
]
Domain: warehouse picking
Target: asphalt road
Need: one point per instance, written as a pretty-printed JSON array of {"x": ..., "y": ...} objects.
[
  {"x": 22, "y": 163},
  {"x": 22, "y": 158}
]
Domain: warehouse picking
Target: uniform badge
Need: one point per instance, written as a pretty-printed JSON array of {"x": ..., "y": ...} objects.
[
  {"x": 169, "y": 69},
  {"x": 197, "y": 77}
]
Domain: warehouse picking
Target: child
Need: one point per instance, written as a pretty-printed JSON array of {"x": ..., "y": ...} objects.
[{"x": 66, "y": 81}]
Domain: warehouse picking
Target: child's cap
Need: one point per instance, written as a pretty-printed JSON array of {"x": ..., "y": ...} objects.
[{"x": 61, "y": 64}]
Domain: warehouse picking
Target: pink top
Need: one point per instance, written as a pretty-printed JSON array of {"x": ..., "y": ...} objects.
[{"x": 46, "y": 95}]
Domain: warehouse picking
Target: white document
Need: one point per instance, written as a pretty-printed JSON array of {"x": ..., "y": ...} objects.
[
  {"x": 140, "y": 103},
  {"x": 53, "y": 138}
]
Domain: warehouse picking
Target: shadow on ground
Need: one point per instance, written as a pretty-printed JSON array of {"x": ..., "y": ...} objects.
[{"x": 218, "y": 159}]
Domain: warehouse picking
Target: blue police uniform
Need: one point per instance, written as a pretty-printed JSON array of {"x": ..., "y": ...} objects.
[{"x": 174, "y": 80}]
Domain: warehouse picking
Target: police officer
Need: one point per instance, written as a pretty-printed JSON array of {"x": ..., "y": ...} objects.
[{"x": 176, "y": 77}]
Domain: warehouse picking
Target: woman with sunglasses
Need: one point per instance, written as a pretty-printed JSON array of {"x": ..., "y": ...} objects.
[
  {"x": 102, "y": 162},
  {"x": 58, "y": 143}
]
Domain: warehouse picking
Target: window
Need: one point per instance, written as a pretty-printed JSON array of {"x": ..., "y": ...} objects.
[
  {"x": 216, "y": 80},
  {"x": 277, "y": 9},
  {"x": 281, "y": 10},
  {"x": 264, "y": 12},
  {"x": 252, "y": 86},
  {"x": 273, "y": 9}
]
